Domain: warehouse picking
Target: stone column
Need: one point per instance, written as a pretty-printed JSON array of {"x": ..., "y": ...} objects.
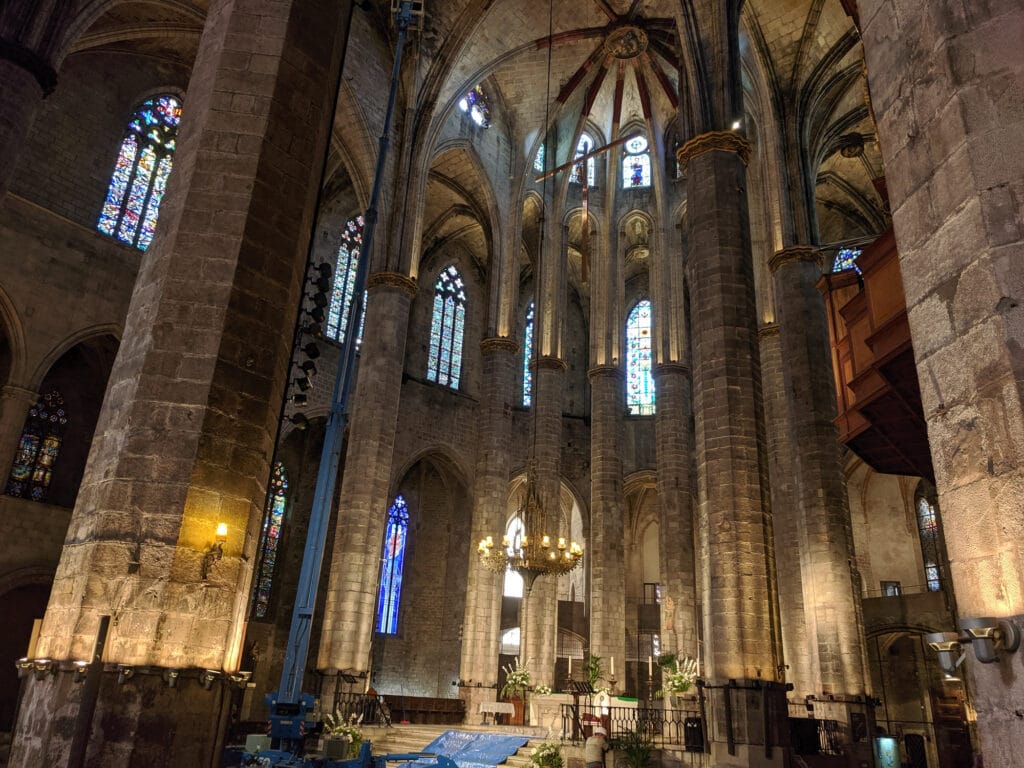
[
  {"x": 739, "y": 613},
  {"x": 801, "y": 663},
  {"x": 187, "y": 428},
  {"x": 676, "y": 548},
  {"x": 607, "y": 534},
  {"x": 351, "y": 606},
  {"x": 831, "y": 584},
  {"x": 945, "y": 84},
  {"x": 482, "y": 623},
  {"x": 539, "y": 621},
  {"x": 14, "y": 405}
]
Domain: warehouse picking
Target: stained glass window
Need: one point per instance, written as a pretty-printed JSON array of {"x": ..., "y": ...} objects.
[
  {"x": 475, "y": 105},
  {"x": 928, "y": 531},
  {"x": 583, "y": 146},
  {"x": 527, "y": 351},
  {"x": 636, "y": 163},
  {"x": 444, "y": 359},
  {"x": 538, "y": 159},
  {"x": 391, "y": 568},
  {"x": 38, "y": 448},
  {"x": 273, "y": 520},
  {"x": 140, "y": 173},
  {"x": 345, "y": 282},
  {"x": 846, "y": 258},
  {"x": 513, "y": 583},
  {"x": 639, "y": 358}
]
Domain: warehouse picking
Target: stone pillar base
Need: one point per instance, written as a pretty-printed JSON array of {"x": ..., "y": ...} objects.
[
  {"x": 140, "y": 723},
  {"x": 747, "y": 723}
]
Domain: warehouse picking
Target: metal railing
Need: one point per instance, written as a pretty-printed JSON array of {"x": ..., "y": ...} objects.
[
  {"x": 818, "y": 737},
  {"x": 681, "y": 729}
]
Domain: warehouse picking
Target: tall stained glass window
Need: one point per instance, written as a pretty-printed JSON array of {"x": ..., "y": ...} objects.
[
  {"x": 636, "y": 163},
  {"x": 475, "y": 105},
  {"x": 527, "y": 351},
  {"x": 140, "y": 174},
  {"x": 928, "y": 531},
  {"x": 583, "y": 146},
  {"x": 345, "y": 282},
  {"x": 391, "y": 567},
  {"x": 639, "y": 359},
  {"x": 444, "y": 360},
  {"x": 273, "y": 520},
  {"x": 538, "y": 159},
  {"x": 846, "y": 258},
  {"x": 38, "y": 448}
]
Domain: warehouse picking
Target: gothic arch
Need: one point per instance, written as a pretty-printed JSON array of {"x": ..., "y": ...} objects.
[
  {"x": 14, "y": 331},
  {"x": 62, "y": 347}
]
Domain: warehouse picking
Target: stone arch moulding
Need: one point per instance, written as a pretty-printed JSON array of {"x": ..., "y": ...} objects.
[
  {"x": 452, "y": 467},
  {"x": 27, "y": 576},
  {"x": 58, "y": 350},
  {"x": 568, "y": 493},
  {"x": 14, "y": 329}
]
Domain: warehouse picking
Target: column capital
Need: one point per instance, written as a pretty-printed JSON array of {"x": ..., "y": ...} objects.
[
  {"x": 714, "y": 141},
  {"x": 550, "y": 363},
  {"x": 672, "y": 366},
  {"x": 602, "y": 371},
  {"x": 394, "y": 280},
  {"x": 498, "y": 344},
  {"x": 32, "y": 63},
  {"x": 792, "y": 254},
  {"x": 768, "y": 330},
  {"x": 13, "y": 392}
]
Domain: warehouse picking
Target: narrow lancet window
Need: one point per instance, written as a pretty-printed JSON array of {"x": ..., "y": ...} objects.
[
  {"x": 345, "y": 282},
  {"x": 273, "y": 523},
  {"x": 639, "y": 359},
  {"x": 391, "y": 567},
  {"x": 527, "y": 352},
  {"x": 636, "y": 163}
]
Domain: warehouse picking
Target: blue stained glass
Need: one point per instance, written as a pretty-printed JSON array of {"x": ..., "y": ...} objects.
[
  {"x": 444, "y": 358},
  {"x": 846, "y": 258},
  {"x": 118, "y": 185},
  {"x": 583, "y": 146},
  {"x": 527, "y": 351},
  {"x": 273, "y": 522},
  {"x": 391, "y": 567},
  {"x": 475, "y": 105},
  {"x": 538, "y": 159},
  {"x": 140, "y": 174},
  {"x": 636, "y": 163},
  {"x": 38, "y": 449},
  {"x": 345, "y": 282},
  {"x": 639, "y": 360}
]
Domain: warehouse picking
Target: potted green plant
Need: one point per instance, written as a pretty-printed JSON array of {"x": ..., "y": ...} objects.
[
  {"x": 342, "y": 737},
  {"x": 633, "y": 749}
]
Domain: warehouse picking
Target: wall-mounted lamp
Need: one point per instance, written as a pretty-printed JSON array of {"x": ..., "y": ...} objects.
[
  {"x": 299, "y": 421},
  {"x": 206, "y": 678},
  {"x": 125, "y": 672},
  {"x": 24, "y": 665},
  {"x": 988, "y": 635},
  {"x": 239, "y": 679},
  {"x": 82, "y": 668},
  {"x": 216, "y": 550},
  {"x": 171, "y": 676},
  {"x": 44, "y": 667}
]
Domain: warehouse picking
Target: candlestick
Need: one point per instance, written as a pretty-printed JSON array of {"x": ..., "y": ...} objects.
[
  {"x": 650, "y": 666},
  {"x": 570, "y": 666},
  {"x": 612, "y": 670}
]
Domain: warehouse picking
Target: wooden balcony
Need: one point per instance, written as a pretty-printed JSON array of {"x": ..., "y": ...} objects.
[{"x": 877, "y": 395}]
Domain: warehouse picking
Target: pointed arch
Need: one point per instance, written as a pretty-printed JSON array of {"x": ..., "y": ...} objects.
[
  {"x": 349, "y": 251},
  {"x": 392, "y": 566}
]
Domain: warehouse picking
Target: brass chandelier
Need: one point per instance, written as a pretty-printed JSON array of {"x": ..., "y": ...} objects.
[{"x": 532, "y": 550}]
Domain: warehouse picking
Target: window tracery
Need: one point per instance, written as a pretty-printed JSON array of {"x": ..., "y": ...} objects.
[
  {"x": 636, "y": 163},
  {"x": 846, "y": 258},
  {"x": 475, "y": 104},
  {"x": 140, "y": 175},
  {"x": 583, "y": 146},
  {"x": 38, "y": 448},
  {"x": 349, "y": 250},
  {"x": 273, "y": 525},
  {"x": 444, "y": 359},
  {"x": 392, "y": 565}
]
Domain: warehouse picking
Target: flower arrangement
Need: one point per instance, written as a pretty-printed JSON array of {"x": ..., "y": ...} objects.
[
  {"x": 680, "y": 680},
  {"x": 336, "y": 725},
  {"x": 546, "y": 755},
  {"x": 542, "y": 690},
  {"x": 517, "y": 679}
]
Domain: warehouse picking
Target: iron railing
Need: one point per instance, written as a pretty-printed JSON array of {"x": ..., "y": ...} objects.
[{"x": 682, "y": 729}]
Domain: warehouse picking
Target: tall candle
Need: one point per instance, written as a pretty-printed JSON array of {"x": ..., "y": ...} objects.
[
  {"x": 613, "y": 666},
  {"x": 650, "y": 666},
  {"x": 570, "y": 666}
]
